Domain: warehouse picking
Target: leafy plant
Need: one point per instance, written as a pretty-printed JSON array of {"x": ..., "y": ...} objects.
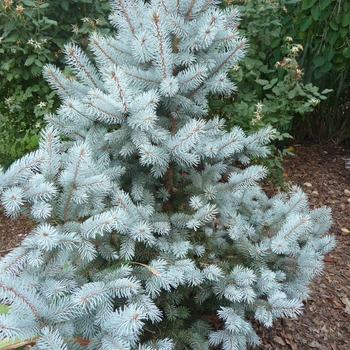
[
  {"x": 150, "y": 218},
  {"x": 270, "y": 88},
  {"x": 32, "y": 33},
  {"x": 323, "y": 27},
  {"x": 269, "y": 79}
]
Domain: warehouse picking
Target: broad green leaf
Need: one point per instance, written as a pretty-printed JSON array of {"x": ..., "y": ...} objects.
[
  {"x": 262, "y": 55},
  {"x": 339, "y": 65},
  {"x": 291, "y": 94},
  {"x": 315, "y": 12},
  {"x": 324, "y": 3},
  {"x": 325, "y": 15},
  {"x": 11, "y": 39},
  {"x": 318, "y": 60},
  {"x": 29, "y": 61},
  {"x": 38, "y": 63},
  {"x": 305, "y": 23},
  {"x": 264, "y": 69},
  {"x": 35, "y": 88},
  {"x": 29, "y": 3},
  {"x": 35, "y": 70},
  {"x": 267, "y": 86},
  {"x": 257, "y": 63},
  {"x": 262, "y": 81},
  {"x": 327, "y": 66},
  {"x": 50, "y": 21},
  {"x": 306, "y": 4},
  {"x": 248, "y": 63},
  {"x": 276, "y": 91},
  {"x": 25, "y": 75},
  {"x": 275, "y": 42},
  {"x": 346, "y": 52},
  {"x": 338, "y": 58},
  {"x": 6, "y": 66},
  {"x": 65, "y": 5},
  {"x": 333, "y": 36},
  {"x": 344, "y": 32},
  {"x": 60, "y": 42},
  {"x": 333, "y": 25},
  {"x": 345, "y": 20}
]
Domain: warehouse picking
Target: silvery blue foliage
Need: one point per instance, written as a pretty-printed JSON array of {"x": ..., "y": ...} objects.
[{"x": 149, "y": 217}]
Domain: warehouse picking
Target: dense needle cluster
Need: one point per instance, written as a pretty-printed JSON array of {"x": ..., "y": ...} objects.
[{"x": 149, "y": 216}]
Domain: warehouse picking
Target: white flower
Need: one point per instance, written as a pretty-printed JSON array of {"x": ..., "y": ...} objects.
[
  {"x": 8, "y": 100},
  {"x": 314, "y": 101},
  {"x": 8, "y": 3},
  {"x": 42, "y": 104},
  {"x": 31, "y": 41},
  {"x": 85, "y": 19},
  {"x": 37, "y": 45},
  {"x": 75, "y": 29},
  {"x": 296, "y": 48},
  {"x": 19, "y": 8},
  {"x": 259, "y": 106}
]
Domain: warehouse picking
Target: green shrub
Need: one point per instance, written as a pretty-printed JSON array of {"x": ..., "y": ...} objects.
[
  {"x": 323, "y": 27},
  {"x": 269, "y": 80},
  {"x": 32, "y": 33},
  {"x": 270, "y": 88}
]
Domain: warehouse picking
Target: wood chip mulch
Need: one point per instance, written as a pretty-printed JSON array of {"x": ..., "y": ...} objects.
[{"x": 325, "y": 322}]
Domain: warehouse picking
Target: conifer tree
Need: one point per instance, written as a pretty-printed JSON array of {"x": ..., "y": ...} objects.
[{"x": 149, "y": 217}]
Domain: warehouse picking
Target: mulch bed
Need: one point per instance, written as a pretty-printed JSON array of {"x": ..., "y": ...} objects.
[{"x": 325, "y": 322}]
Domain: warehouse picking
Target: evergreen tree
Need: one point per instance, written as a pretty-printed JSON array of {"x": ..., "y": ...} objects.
[{"x": 149, "y": 217}]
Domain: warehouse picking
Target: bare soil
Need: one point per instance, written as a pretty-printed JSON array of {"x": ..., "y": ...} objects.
[{"x": 325, "y": 322}]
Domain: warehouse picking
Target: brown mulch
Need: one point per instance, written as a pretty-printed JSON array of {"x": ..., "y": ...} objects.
[{"x": 325, "y": 322}]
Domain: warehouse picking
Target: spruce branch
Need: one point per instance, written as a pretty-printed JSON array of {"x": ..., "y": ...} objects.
[
  {"x": 19, "y": 296},
  {"x": 188, "y": 13},
  {"x": 161, "y": 41},
  {"x": 226, "y": 59},
  {"x": 80, "y": 63}
]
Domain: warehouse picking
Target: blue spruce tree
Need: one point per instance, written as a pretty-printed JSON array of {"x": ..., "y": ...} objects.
[{"x": 149, "y": 217}]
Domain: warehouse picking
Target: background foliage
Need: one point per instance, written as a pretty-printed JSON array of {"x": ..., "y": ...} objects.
[
  {"x": 32, "y": 33},
  {"x": 270, "y": 86},
  {"x": 323, "y": 27}
]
